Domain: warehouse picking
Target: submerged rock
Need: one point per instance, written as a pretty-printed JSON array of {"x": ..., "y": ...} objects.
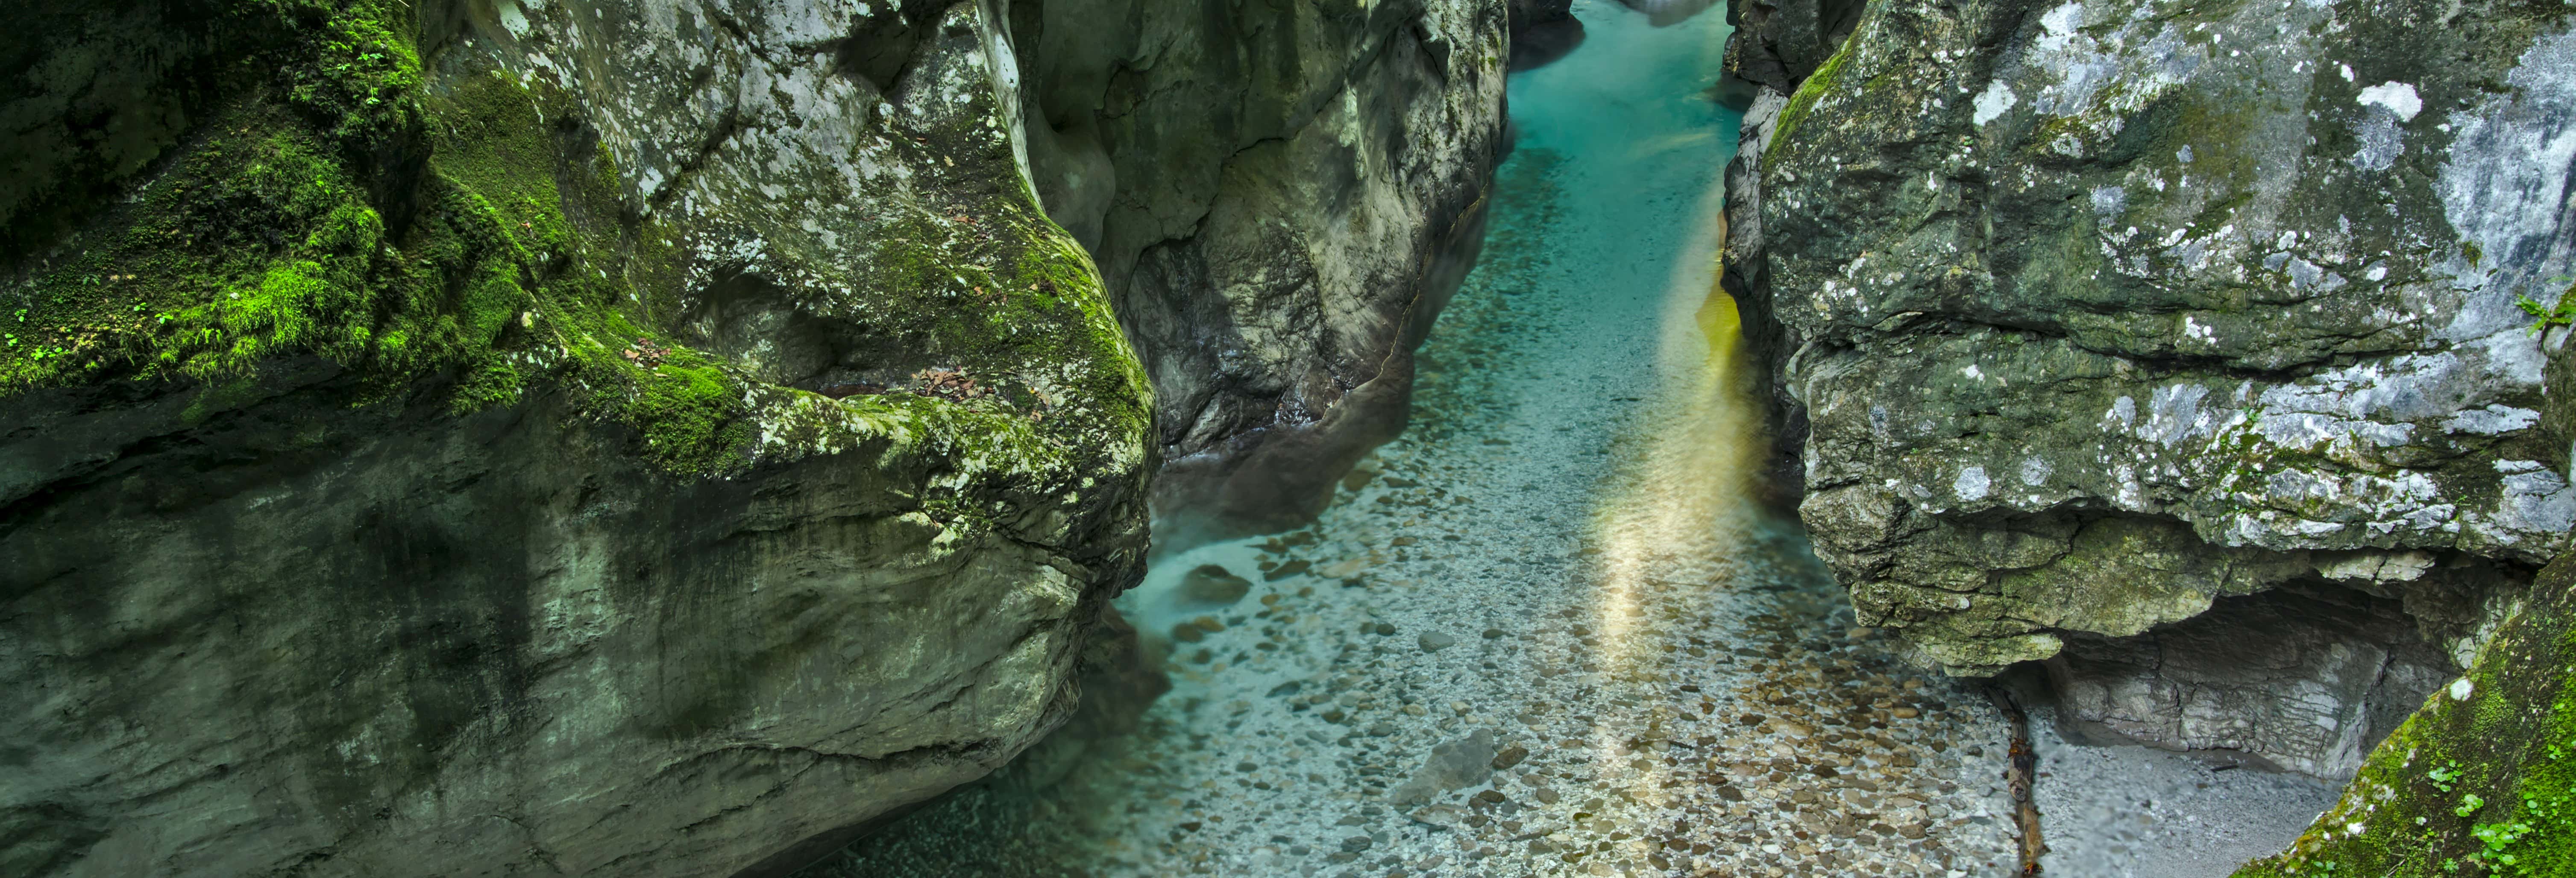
[
  {"x": 1451, "y": 765},
  {"x": 1211, "y": 585},
  {"x": 1546, "y": 43}
]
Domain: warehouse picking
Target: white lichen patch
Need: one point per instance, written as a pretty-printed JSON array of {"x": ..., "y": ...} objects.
[
  {"x": 1971, "y": 485},
  {"x": 1991, "y": 105},
  {"x": 2398, "y": 98},
  {"x": 2504, "y": 187}
]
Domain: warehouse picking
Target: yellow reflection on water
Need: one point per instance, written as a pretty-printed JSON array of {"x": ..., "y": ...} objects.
[{"x": 1670, "y": 525}]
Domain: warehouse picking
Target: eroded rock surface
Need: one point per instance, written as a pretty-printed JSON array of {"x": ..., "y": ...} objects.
[
  {"x": 654, "y": 437},
  {"x": 1281, "y": 198},
  {"x": 659, "y": 437},
  {"x": 2085, "y": 316},
  {"x": 2307, "y": 677}
]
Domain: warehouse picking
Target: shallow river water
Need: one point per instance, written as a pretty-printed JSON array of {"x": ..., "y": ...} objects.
[{"x": 1548, "y": 632}]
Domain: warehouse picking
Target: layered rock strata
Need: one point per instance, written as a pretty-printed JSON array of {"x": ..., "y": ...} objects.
[
  {"x": 2481, "y": 779},
  {"x": 2086, "y": 318}
]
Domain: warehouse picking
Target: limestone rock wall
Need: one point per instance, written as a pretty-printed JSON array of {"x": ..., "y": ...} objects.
[
  {"x": 290, "y": 638},
  {"x": 1281, "y": 198},
  {"x": 1777, "y": 44},
  {"x": 2087, "y": 317},
  {"x": 555, "y": 436}
]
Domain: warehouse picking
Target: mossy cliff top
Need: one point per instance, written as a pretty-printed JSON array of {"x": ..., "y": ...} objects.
[
  {"x": 480, "y": 202},
  {"x": 2482, "y": 780}
]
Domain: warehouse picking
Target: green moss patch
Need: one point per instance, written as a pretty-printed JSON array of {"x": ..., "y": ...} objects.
[
  {"x": 465, "y": 235},
  {"x": 2475, "y": 786},
  {"x": 1810, "y": 91}
]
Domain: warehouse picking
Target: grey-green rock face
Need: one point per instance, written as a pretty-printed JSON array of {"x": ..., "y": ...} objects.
[
  {"x": 791, "y": 456},
  {"x": 1281, "y": 198},
  {"x": 2476, "y": 778},
  {"x": 391, "y": 642},
  {"x": 2094, "y": 313}
]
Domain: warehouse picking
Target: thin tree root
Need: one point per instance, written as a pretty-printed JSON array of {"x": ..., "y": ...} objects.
[{"x": 2018, "y": 778}]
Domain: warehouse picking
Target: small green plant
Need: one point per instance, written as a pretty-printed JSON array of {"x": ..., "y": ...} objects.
[
  {"x": 2544, "y": 317},
  {"x": 2443, "y": 776},
  {"x": 2498, "y": 837}
]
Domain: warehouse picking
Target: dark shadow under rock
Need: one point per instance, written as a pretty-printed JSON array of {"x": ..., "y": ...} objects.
[
  {"x": 2306, "y": 677},
  {"x": 1544, "y": 44}
]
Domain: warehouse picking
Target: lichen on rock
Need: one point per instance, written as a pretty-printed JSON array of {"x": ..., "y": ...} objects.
[{"x": 2087, "y": 317}]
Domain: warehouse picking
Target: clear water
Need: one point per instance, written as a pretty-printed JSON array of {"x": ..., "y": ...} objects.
[{"x": 1546, "y": 632}]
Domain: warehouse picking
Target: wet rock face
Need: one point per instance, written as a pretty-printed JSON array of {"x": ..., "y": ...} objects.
[
  {"x": 328, "y": 613},
  {"x": 2084, "y": 315},
  {"x": 1281, "y": 200},
  {"x": 1779, "y": 44}
]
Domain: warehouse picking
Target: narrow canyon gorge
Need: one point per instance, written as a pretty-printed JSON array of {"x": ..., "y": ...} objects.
[{"x": 857, "y": 438}]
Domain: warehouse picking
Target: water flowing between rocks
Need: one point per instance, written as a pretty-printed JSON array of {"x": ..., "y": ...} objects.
[{"x": 1548, "y": 631}]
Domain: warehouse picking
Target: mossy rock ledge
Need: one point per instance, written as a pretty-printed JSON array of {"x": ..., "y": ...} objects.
[
  {"x": 493, "y": 437},
  {"x": 2180, "y": 347}
]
